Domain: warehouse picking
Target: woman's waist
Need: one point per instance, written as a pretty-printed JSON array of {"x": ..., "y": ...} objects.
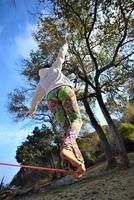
[{"x": 57, "y": 88}]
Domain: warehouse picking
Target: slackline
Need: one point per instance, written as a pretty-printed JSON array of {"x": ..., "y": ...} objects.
[{"x": 40, "y": 168}]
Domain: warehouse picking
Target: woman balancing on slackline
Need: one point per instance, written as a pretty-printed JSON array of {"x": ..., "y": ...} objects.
[{"x": 63, "y": 104}]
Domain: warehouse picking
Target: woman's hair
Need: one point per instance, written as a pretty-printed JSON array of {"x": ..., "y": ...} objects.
[
  {"x": 48, "y": 65},
  {"x": 43, "y": 71}
]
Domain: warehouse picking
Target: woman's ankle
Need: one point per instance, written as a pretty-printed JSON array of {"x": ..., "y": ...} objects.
[{"x": 72, "y": 159}]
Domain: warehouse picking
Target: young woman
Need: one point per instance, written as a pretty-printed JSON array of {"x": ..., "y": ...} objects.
[{"x": 63, "y": 104}]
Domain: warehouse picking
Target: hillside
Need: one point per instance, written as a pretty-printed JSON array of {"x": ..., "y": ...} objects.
[{"x": 96, "y": 184}]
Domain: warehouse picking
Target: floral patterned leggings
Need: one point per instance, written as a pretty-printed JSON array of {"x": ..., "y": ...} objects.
[{"x": 63, "y": 104}]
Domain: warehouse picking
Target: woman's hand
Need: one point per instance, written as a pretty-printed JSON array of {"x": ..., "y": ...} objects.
[
  {"x": 30, "y": 113},
  {"x": 66, "y": 39}
]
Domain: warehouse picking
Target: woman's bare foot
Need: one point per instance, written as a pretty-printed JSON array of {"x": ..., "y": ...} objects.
[
  {"x": 69, "y": 155},
  {"x": 80, "y": 171}
]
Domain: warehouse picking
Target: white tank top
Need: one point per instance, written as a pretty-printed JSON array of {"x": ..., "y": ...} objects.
[{"x": 53, "y": 79}]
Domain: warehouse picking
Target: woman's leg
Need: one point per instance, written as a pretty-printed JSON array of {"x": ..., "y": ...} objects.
[
  {"x": 70, "y": 148},
  {"x": 57, "y": 109}
]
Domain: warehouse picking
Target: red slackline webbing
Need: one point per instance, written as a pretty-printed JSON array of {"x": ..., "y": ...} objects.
[
  {"x": 51, "y": 169},
  {"x": 40, "y": 168}
]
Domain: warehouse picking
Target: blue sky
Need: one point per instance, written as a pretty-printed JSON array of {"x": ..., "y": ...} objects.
[{"x": 16, "y": 41}]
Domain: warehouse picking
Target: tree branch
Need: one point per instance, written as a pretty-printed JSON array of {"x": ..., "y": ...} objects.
[
  {"x": 124, "y": 58},
  {"x": 86, "y": 96},
  {"x": 87, "y": 37},
  {"x": 94, "y": 19},
  {"x": 115, "y": 64},
  {"x": 75, "y": 12},
  {"x": 77, "y": 54},
  {"x": 132, "y": 40},
  {"x": 120, "y": 44},
  {"x": 124, "y": 34}
]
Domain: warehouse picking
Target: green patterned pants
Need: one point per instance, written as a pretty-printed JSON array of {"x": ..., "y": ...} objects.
[{"x": 63, "y": 104}]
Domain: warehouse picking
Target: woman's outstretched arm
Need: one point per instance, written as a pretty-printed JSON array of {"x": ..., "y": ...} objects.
[
  {"x": 37, "y": 97},
  {"x": 61, "y": 56}
]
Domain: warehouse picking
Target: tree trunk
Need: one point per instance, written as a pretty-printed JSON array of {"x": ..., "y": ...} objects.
[
  {"x": 60, "y": 165},
  {"x": 105, "y": 144},
  {"x": 53, "y": 165},
  {"x": 122, "y": 154},
  {"x": 59, "y": 157},
  {"x": 58, "y": 146}
]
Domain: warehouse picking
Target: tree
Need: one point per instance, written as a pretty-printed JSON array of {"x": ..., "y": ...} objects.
[
  {"x": 39, "y": 149},
  {"x": 104, "y": 142},
  {"x": 36, "y": 147},
  {"x": 112, "y": 35},
  {"x": 128, "y": 114}
]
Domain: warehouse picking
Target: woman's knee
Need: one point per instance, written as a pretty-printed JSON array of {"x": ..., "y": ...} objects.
[
  {"x": 63, "y": 153},
  {"x": 77, "y": 124},
  {"x": 80, "y": 122}
]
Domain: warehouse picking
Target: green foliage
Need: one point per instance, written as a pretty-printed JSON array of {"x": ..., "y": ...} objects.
[
  {"x": 88, "y": 145},
  {"x": 127, "y": 131},
  {"x": 128, "y": 114},
  {"x": 17, "y": 103},
  {"x": 35, "y": 62},
  {"x": 37, "y": 148}
]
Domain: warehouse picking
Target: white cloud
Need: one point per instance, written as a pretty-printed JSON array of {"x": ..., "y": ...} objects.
[
  {"x": 20, "y": 136},
  {"x": 10, "y": 139},
  {"x": 25, "y": 42},
  {"x": 18, "y": 47},
  {"x": 12, "y": 136}
]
